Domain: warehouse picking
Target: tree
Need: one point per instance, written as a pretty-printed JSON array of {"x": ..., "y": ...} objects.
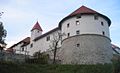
[
  {"x": 2, "y": 34},
  {"x": 57, "y": 37},
  {"x": 41, "y": 58}
]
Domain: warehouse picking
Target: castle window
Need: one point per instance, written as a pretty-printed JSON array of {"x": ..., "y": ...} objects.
[
  {"x": 68, "y": 34},
  {"x": 78, "y": 45},
  {"x": 77, "y": 22},
  {"x": 77, "y": 32},
  {"x": 96, "y": 17},
  {"x": 31, "y": 45},
  {"x": 102, "y": 23},
  {"x": 38, "y": 31},
  {"x": 103, "y": 32},
  {"x": 68, "y": 25},
  {"x": 22, "y": 48},
  {"x": 79, "y": 16},
  {"x": 48, "y": 38}
]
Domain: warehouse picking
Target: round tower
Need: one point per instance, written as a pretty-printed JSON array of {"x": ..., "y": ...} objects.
[
  {"x": 36, "y": 31},
  {"x": 87, "y": 39}
]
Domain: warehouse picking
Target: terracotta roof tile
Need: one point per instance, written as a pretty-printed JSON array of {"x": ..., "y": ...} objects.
[
  {"x": 10, "y": 50},
  {"x": 37, "y": 26},
  {"x": 114, "y": 46},
  {"x": 25, "y": 42},
  {"x": 83, "y": 9}
]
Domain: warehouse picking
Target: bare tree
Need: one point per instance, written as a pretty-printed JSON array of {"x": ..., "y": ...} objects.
[{"x": 57, "y": 37}]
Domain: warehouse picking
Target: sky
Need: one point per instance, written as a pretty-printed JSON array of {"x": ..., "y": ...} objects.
[{"x": 20, "y": 15}]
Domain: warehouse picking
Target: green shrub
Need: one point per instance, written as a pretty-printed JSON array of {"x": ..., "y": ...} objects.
[
  {"x": 39, "y": 58},
  {"x": 116, "y": 66}
]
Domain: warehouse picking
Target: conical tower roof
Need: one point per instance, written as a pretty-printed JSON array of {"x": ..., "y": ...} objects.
[
  {"x": 82, "y": 9},
  {"x": 37, "y": 26}
]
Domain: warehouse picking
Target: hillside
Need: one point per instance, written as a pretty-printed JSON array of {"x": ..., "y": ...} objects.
[{"x": 36, "y": 68}]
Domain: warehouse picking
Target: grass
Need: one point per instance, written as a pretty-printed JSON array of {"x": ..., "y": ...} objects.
[{"x": 37, "y": 68}]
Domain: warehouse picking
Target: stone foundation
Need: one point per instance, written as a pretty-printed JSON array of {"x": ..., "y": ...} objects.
[{"x": 86, "y": 49}]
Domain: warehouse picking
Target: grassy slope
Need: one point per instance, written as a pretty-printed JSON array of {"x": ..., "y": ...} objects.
[{"x": 34, "y": 68}]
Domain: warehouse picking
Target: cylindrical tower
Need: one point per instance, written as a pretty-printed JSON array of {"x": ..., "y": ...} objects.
[{"x": 87, "y": 39}]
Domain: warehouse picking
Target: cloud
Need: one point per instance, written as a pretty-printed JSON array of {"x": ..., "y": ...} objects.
[
  {"x": 12, "y": 14},
  {"x": 22, "y": 2}
]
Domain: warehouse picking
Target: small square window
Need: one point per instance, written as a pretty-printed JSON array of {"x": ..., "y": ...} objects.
[
  {"x": 78, "y": 45},
  {"x": 79, "y": 16},
  {"x": 68, "y": 34},
  {"x": 48, "y": 38},
  {"x": 38, "y": 31},
  {"x": 68, "y": 25},
  {"x": 77, "y": 32},
  {"x": 96, "y": 17},
  {"x": 102, "y": 23},
  {"x": 77, "y": 22},
  {"x": 31, "y": 45},
  {"x": 22, "y": 48},
  {"x": 103, "y": 32}
]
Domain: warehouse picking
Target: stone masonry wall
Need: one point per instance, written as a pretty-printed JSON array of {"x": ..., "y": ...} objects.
[{"x": 86, "y": 49}]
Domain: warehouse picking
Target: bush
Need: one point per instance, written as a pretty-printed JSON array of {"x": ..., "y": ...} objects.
[
  {"x": 39, "y": 58},
  {"x": 116, "y": 66}
]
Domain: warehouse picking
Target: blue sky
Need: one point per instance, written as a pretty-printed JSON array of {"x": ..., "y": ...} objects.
[{"x": 20, "y": 15}]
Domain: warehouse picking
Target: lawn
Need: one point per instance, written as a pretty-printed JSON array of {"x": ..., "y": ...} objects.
[{"x": 37, "y": 68}]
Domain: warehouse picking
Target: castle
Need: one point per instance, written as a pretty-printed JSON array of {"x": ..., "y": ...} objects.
[{"x": 85, "y": 38}]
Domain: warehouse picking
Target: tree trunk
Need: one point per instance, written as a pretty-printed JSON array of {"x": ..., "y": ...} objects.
[
  {"x": 55, "y": 50},
  {"x": 54, "y": 58}
]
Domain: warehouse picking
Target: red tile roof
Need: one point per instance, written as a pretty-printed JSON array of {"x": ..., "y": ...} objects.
[
  {"x": 114, "y": 46},
  {"x": 37, "y": 26},
  {"x": 83, "y": 9},
  {"x": 10, "y": 50},
  {"x": 25, "y": 42},
  {"x": 116, "y": 49}
]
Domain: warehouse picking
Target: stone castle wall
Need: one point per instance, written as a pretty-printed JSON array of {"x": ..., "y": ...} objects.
[{"x": 86, "y": 49}]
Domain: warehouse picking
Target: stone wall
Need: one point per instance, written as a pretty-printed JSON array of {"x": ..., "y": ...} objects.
[
  {"x": 12, "y": 57},
  {"x": 86, "y": 49}
]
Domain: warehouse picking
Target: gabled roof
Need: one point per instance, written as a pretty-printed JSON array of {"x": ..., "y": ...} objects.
[
  {"x": 83, "y": 9},
  {"x": 25, "y": 42},
  {"x": 10, "y": 50},
  {"x": 37, "y": 26},
  {"x": 114, "y": 47}
]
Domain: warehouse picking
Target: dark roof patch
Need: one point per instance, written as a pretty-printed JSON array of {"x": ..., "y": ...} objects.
[
  {"x": 25, "y": 42},
  {"x": 53, "y": 30}
]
